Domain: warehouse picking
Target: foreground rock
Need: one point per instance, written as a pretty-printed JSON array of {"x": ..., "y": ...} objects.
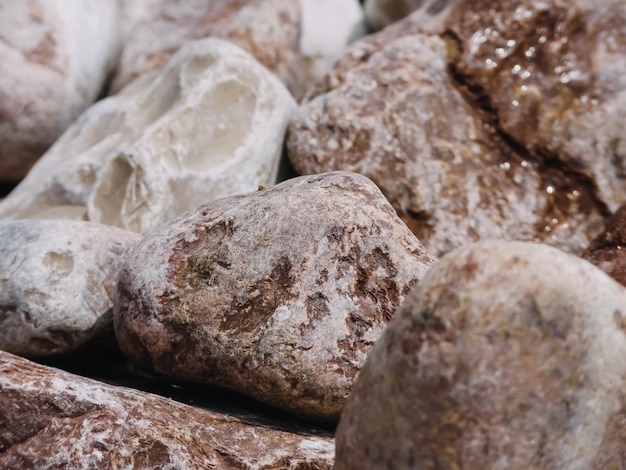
[
  {"x": 278, "y": 294},
  {"x": 508, "y": 355},
  {"x": 210, "y": 124},
  {"x": 267, "y": 29},
  {"x": 608, "y": 250},
  {"x": 54, "y": 59},
  {"x": 491, "y": 120},
  {"x": 53, "y": 419},
  {"x": 57, "y": 280}
]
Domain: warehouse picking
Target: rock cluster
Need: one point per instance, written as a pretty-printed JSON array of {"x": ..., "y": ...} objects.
[
  {"x": 489, "y": 120},
  {"x": 280, "y": 226}
]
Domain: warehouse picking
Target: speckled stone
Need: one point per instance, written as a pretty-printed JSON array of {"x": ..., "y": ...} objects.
[
  {"x": 54, "y": 419},
  {"x": 267, "y": 29},
  {"x": 509, "y": 355},
  {"x": 209, "y": 124},
  {"x": 468, "y": 145},
  {"x": 57, "y": 280},
  {"x": 278, "y": 294}
]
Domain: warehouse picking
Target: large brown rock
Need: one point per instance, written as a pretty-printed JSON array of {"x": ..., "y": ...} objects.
[
  {"x": 57, "y": 281},
  {"x": 54, "y": 419},
  {"x": 508, "y": 355},
  {"x": 54, "y": 60},
  {"x": 484, "y": 120},
  {"x": 267, "y": 29},
  {"x": 278, "y": 294}
]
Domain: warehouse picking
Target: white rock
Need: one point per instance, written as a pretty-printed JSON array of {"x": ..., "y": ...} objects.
[
  {"x": 208, "y": 125},
  {"x": 328, "y": 26},
  {"x": 54, "y": 59},
  {"x": 56, "y": 281}
]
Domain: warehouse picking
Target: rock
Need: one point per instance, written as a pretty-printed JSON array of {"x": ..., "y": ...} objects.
[
  {"x": 267, "y": 29},
  {"x": 328, "y": 26},
  {"x": 278, "y": 294},
  {"x": 607, "y": 250},
  {"x": 53, "y": 419},
  {"x": 54, "y": 59},
  {"x": 57, "y": 280},
  {"x": 461, "y": 158},
  {"x": 506, "y": 356},
  {"x": 210, "y": 124},
  {"x": 381, "y": 13}
]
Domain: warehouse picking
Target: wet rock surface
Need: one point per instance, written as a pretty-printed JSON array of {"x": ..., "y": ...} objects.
[
  {"x": 57, "y": 281},
  {"x": 425, "y": 104},
  {"x": 277, "y": 294},
  {"x": 267, "y": 29},
  {"x": 54, "y": 59},
  {"x": 508, "y": 355},
  {"x": 210, "y": 124},
  {"x": 55, "y": 419}
]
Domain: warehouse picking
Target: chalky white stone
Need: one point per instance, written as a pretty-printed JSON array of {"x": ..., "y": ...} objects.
[
  {"x": 54, "y": 59},
  {"x": 57, "y": 278},
  {"x": 208, "y": 125}
]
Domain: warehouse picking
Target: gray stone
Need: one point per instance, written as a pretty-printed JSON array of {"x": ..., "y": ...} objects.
[
  {"x": 57, "y": 280},
  {"x": 54, "y": 419},
  {"x": 509, "y": 355},
  {"x": 278, "y": 294},
  {"x": 208, "y": 125}
]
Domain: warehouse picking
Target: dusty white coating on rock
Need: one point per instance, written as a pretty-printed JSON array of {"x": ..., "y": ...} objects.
[
  {"x": 267, "y": 29},
  {"x": 54, "y": 59},
  {"x": 210, "y": 124},
  {"x": 278, "y": 294},
  {"x": 57, "y": 277},
  {"x": 53, "y": 419},
  {"x": 506, "y": 356}
]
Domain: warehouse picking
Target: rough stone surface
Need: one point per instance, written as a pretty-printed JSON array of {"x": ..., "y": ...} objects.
[
  {"x": 608, "y": 250},
  {"x": 507, "y": 356},
  {"x": 469, "y": 145},
  {"x": 278, "y": 294},
  {"x": 267, "y": 29},
  {"x": 53, "y": 419},
  {"x": 54, "y": 59},
  {"x": 210, "y": 124},
  {"x": 57, "y": 279}
]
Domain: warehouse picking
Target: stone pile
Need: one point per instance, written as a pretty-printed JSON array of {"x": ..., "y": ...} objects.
[{"x": 415, "y": 237}]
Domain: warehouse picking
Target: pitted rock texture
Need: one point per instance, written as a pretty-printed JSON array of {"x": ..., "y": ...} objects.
[
  {"x": 267, "y": 29},
  {"x": 278, "y": 294},
  {"x": 53, "y": 419},
  {"x": 210, "y": 124},
  {"x": 54, "y": 59},
  {"x": 57, "y": 280},
  {"x": 525, "y": 146},
  {"x": 508, "y": 355},
  {"x": 608, "y": 250}
]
